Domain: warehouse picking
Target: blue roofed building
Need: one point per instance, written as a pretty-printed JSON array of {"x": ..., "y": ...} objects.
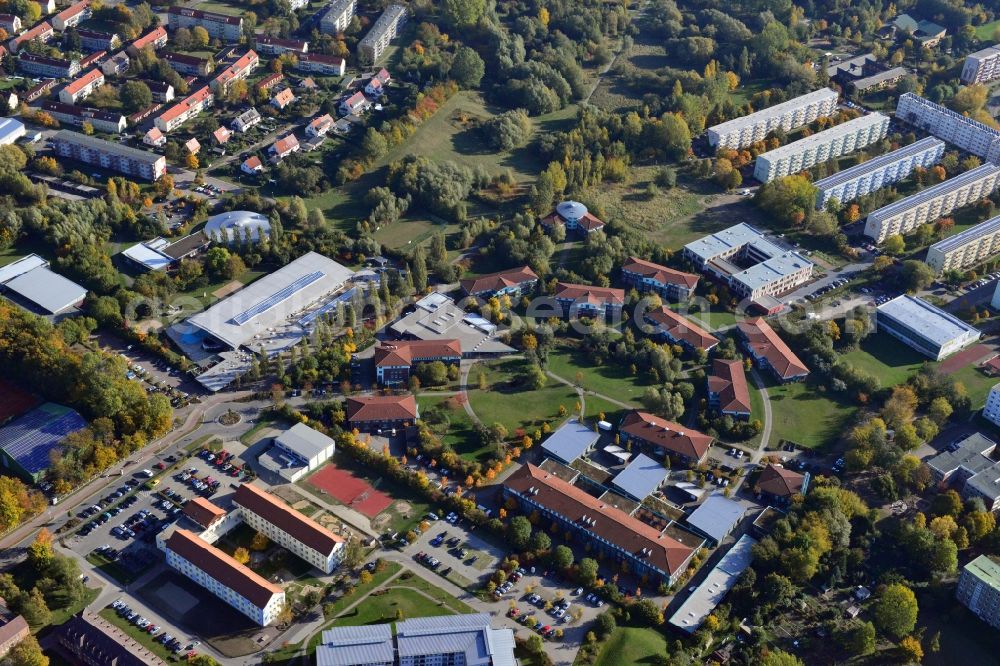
[
  {"x": 716, "y": 517},
  {"x": 570, "y": 441},
  {"x": 640, "y": 478},
  {"x": 356, "y": 646},
  {"x": 27, "y": 442}
]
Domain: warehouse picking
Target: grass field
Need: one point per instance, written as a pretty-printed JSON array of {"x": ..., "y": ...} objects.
[
  {"x": 631, "y": 645},
  {"x": 611, "y": 380},
  {"x": 408, "y": 595},
  {"x": 136, "y": 634},
  {"x": 460, "y": 432},
  {"x": 61, "y": 615},
  {"x": 977, "y": 383},
  {"x": 711, "y": 320},
  {"x": 337, "y": 607},
  {"x": 508, "y": 402},
  {"x": 113, "y": 569},
  {"x": 415, "y": 230},
  {"x": 805, "y": 415},
  {"x": 985, "y": 31},
  {"x": 595, "y": 406},
  {"x": 883, "y": 356}
]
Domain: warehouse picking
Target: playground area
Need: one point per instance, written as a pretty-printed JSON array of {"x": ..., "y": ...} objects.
[{"x": 350, "y": 490}]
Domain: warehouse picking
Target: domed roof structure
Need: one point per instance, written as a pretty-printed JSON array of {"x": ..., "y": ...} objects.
[
  {"x": 571, "y": 210},
  {"x": 233, "y": 225}
]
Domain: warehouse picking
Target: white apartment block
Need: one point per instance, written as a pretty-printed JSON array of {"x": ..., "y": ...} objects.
[
  {"x": 742, "y": 132},
  {"x": 978, "y": 589},
  {"x": 982, "y": 66},
  {"x": 828, "y": 144},
  {"x": 967, "y": 249},
  {"x": 373, "y": 45},
  {"x": 224, "y": 577},
  {"x": 991, "y": 412},
  {"x": 878, "y": 172},
  {"x": 337, "y": 16},
  {"x": 963, "y": 132},
  {"x": 905, "y": 215},
  {"x": 109, "y": 155},
  {"x": 219, "y": 26}
]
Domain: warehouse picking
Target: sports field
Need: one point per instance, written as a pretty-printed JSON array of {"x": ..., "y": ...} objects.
[{"x": 350, "y": 491}]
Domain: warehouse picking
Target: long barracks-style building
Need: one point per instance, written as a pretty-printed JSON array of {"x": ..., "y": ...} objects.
[
  {"x": 963, "y": 132},
  {"x": 839, "y": 140},
  {"x": 742, "y": 132},
  {"x": 878, "y": 172},
  {"x": 967, "y": 249},
  {"x": 905, "y": 215}
]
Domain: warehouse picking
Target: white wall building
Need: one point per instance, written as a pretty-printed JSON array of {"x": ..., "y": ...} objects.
[
  {"x": 927, "y": 329},
  {"x": 741, "y": 132},
  {"x": 967, "y": 249},
  {"x": 961, "y": 131},
  {"x": 905, "y": 215},
  {"x": 878, "y": 172},
  {"x": 982, "y": 66},
  {"x": 373, "y": 45},
  {"x": 298, "y": 451},
  {"x": 839, "y": 140},
  {"x": 219, "y": 26},
  {"x": 337, "y": 16},
  {"x": 991, "y": 412}
]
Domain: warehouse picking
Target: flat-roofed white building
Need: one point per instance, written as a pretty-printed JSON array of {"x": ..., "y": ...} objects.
[
  {"x": 878, "y": 172},
  {"x": 298, "y": 451},
  {"x": 105, "y": 154},
  {"x": 905, "y": 215},
  {"x": 454, "y": 639},
  {"x": 386, "y": 28},
  {"x": 713, "y": 589},
  {"x": 961, "y": 131},
  {"x": 336, "y": 16},
  {"x": 982, "y": 66},
  {"x": 964, "y": 250},
  {"x": 742, "y": 132},
  {"x": 923, "y": 327},
  {"x": 839, "y": 140}
]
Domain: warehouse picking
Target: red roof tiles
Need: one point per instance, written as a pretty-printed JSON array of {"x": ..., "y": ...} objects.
[
  {"x": 681, "y": 329},
  {"x": 381, "y": 408},
  {"x": 402, "y": 352},
  {"x": 203, "y": 512},
  {"x": 500, "y": 280},
  {"x": 779, "y": 482},
  {"x": 661, "y": 274},
  {"x": 667, "y": 435},
  {"x": 729, "y": 382},
  {"x": 276, "y": 512},
  {"x": 582, "y": 293},
  {"x": 764, "y": 342}
]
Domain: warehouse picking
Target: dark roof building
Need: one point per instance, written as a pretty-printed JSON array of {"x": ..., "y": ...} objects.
[
  {"x": 28, "y": 442},
  {"x": 381, "y": 412},
  {"x": 91, "y": 640},
  {"x": 780, "y": 484}
]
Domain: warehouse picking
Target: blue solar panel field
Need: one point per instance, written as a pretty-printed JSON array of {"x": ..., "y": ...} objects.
[
  {"x": 30, "y": 439},
  {"x": 277, "y": 297}
]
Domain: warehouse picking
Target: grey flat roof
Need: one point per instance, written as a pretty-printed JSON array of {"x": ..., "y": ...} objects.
[
  {"x": 874, "y": 164},
  {"x": 265, "y": 302},
  {"x": 988, "y": 52},
  {"x": 570, "y": 441},
  {"x": 49, "y": 291},
  {"x": 772, "y": 269},
  {"x": 934, "y": 107},
  {"x": 958, "y": 240},
  {"x": 437, "y": 317},
  {"x": 716, "y": 517},
  {"x": 641, "y": 477},
  {"x": 304, "y": 441},
  {"x": 737, "y": 235},
  {"x": 469, "y": 634},
  {"x": 714, "y": 588},
  {"x": 774, "y": 111},
  {"x": 825, "y": 136},
  {"x": 971, "y": 176},
  {"x": 149, "y": 257},
  {"x": 875, "y": 79},
  {"x": 348, "y": 646},
  {"x": 114, "y": 148},
  {"x": 21, "y": 266},
  {"x": 971, "y": 454},
  {"x": 931, "y": 322}
]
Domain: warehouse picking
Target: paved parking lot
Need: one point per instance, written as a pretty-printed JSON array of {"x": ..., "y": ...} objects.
[{"x": 478, "y": 564}]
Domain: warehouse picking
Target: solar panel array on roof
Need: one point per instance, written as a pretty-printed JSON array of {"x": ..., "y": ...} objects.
[
  {"x": 277, "y": 297},
  {"x": 320, "y": 311},
  {"x": 30, "y": 439}
]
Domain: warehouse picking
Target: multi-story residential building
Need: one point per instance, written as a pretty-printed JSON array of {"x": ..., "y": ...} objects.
[
  {"x": 982, "y": 66},
  {"x": 323, "y": 65},
  {"x": 275, "y": 46},
  {"x": 905, "y": 215},
  {"x": 13, "y": 630},
  {"x": 72, "y": 16},
  {"x": 581, "y": 300},
  {"x": 380, "y": 413},
  {"x": 185, "y": 110},
  {"x": 966, "y": 249},
  {"x": 269, "y": 81},
  {"x": 373, "y": 45},
  {"x": 395, "y": 360},
  {"x": 991, "y": 412},
  {"x": 661, "y": 438},
  {"x": 829, "y": 144},
  {"x": 155, "y": 39},
  {"x": 116, "y": 65},
  {"x": 878, "y": 172},
  {"x": 978, "y": 589},
  {"x": 39, "y": 90},
  {"x": 753, "y": 266},
  {"x": 289, "y": 528},
  {"x": 81, "y": 87},
  {"x": 243, "y": 122},
  {"x": 90, "y": 639},
  {"x": 575, "y": 217},
  {"x": 680, "y": 330},
  {"x": 727, "y": 389},
  {"x": 742, "y": 132},
  {"x": 11, "y": 23},
  {"x": 667, "y": 282},
  {"x": 880, "y": 80},
  {"x": 162, "y": 92},
  {"x": 240, "y": 70},
  {"x": 43, "y": 32},
  {"x": 769, "y": 351},
  {"x": 963, "y": 132},
  {"x": 227, "y": 579},
  {"x": 970, "y": 466},
  {"x": 219, "y": 26},
  {"x": 108, "y": 155},
  {"x": 95, "y": 40},
  {"x": 186, "y": 64},
  {"x": 39, "y": 65},
  {"x": 95, "y": 58},
  {"x": 512, "y": 282},
  {"x": 109, "y": 122},
  {"x": 608, "y": 531},
  {"x": 924, "y": 327},
  {"x": 336, "y": 16}
]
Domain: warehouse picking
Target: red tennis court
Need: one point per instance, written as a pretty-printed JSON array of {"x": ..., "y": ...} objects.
[{"x": 351, "y": 491}]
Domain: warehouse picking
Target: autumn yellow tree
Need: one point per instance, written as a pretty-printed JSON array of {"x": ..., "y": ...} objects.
[
  {"x": 242, "y": 555},
  {"x": 259, "y": 541}
]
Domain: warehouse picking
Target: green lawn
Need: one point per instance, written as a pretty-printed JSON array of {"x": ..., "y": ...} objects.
[
  {"x": 338, "y": 606},
  {"x": 805, "y": 415},
  {"x": 509, "y": 402},
  {"x": 631, "y": 645},
  {"x": 414, "y": 230},
  {"x": 611, "y": 379},
  {"x": 596, "y": 406},
  {"x": 384, "y": 607},
  {"x": 459, "y": 432},
  {"x": 976, "y": 382},
  {"x": 883, "y": 356},
  {"x": 61, "y": 615},
  {"x": 986, "y": 30},
  {"x": 136, "y": 634},
  {"x": 710, "y": 320}
]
